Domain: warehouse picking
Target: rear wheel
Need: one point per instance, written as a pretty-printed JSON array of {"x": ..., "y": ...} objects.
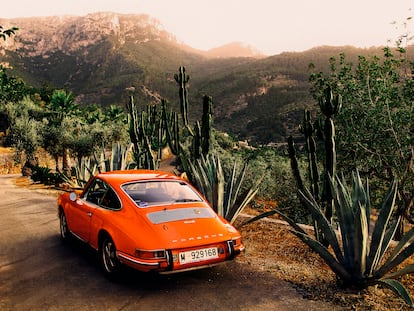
[{"x": 108, "y": 258}]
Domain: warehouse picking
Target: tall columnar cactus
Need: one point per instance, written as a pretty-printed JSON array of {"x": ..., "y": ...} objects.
[
  {"x": 142, "y": 128},
  {"x": 133, "y": 125},
  {"x": 196, "y": 142},
  {"x": 307, "y": 129},
  {"x": 201, "y": 134},
  {"x": 182, "y": 79},
  {"x": 171, "y": 128},
  {"x": 330, "y": 106},
  {"x": 151, "y": 130}
]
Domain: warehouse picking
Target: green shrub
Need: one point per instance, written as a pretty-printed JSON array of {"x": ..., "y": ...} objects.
[{"x": 45, "y": 176}]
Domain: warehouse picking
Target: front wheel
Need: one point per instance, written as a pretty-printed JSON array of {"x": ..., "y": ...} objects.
[
  {"x": 64, "y": 229},
  {"x": 108, "y": 258}
]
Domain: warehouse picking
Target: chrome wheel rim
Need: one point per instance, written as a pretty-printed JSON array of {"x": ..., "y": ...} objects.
[
  {"x": 109, "y": 256},
  {"x": 63, "y": 226}
]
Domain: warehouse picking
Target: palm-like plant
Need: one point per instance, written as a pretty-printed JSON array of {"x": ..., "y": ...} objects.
[
  {"x": 358, "y": 256},
  {"x": 61, "y": 107}
]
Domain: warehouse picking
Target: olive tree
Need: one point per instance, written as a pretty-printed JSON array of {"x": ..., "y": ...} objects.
[
  {"x": 25, "y": 131},
  {"x": 375, "y": 125}
]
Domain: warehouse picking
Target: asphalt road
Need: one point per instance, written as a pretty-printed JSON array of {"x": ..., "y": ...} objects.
[{"x": 38, "y": 272}]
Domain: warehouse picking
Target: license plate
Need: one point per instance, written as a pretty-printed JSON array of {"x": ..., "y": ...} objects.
[{"x": 198, "y": 255}]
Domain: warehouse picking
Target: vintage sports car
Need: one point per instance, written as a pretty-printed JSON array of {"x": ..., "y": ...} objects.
[{"x": 147, "y": 220}]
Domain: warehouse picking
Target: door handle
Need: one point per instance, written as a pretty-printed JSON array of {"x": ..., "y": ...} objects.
[{"x": 89, "y": 214}]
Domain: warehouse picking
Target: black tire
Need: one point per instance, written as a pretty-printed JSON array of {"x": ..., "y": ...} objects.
[
  {"x": 64, "y": 229},
  {"x": 109, "y": 261}
]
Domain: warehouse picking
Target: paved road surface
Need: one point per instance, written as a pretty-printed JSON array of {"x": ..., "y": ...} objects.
[{"x": 38, "y": 272}]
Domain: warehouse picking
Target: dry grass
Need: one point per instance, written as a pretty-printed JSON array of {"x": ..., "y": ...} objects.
[
  {"x": 7, "y": 165},
  {"x": 271, "y": 247}
]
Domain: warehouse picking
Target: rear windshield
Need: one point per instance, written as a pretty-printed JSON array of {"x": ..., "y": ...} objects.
[{"x": 149, "y": 193}]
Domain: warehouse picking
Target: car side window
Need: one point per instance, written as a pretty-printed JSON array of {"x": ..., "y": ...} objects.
[
  {"x": 110, "y": 200},
  {"x": 100, "y": 193},
  {"x": 96, "y": 191}
]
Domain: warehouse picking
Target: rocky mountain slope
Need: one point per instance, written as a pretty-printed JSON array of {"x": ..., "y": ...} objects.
[{"x": 99, "y": 56}]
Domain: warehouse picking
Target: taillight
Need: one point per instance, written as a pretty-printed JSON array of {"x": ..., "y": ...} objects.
[{"x": 151, "y": 254}]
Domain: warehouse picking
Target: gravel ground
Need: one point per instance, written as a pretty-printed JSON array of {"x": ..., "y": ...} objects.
[{"x": 270, "y": 247}]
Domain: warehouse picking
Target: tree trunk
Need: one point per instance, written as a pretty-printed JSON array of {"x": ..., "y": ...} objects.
[{"x": 66, "y": 162}]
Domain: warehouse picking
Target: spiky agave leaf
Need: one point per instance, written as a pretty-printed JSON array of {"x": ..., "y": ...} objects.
[
  {"x": 241, "y": 202},
  {"x": 231, "y": 188},
  {"x": 258, "y": 217},
  {"x": 360, "y": 194},
  {"x": 337, "y": 267},
  {"x": 361, "y": 238},
  {"x": 238, "y": 183},
  {"x": 208, "y": 177},
  {"x": 118, "y": 160},
  {"x": 200, "y": 179},
  {"x": 346, "y": 218},
  {"x": 379, "y": 240},
  {"x": 401, "y": 257},
  {"x": 204, "y": 172},
  {"x": 390, "y": 232},
  {"x": 83, "y": 172},
  {"x": 329, "y": 233},
  {"x": 218, "y": 186},
  {"x": 291, "y": 222},
  {"x": 397, "y": 288},
  {"x": 400, "y": 272},
  {"x": 405, "y": 241}
]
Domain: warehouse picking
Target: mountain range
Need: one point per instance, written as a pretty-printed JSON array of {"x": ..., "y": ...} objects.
[{"x": 99, "y": 56}]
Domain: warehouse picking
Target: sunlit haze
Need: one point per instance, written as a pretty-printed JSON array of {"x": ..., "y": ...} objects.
[{"x": 270, "y": 26}]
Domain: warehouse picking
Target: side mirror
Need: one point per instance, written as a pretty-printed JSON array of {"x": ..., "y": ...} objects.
[{"x": 73, "y": 196}]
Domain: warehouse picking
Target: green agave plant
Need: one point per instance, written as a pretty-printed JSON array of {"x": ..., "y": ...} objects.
[
  {"x": 358, "y": 256},
  {"x": 118, "y": 158},
  {"x": 81, "y": 173},
  {"x": 90, "y": 166},
  {"x": 225, "y": 194}
]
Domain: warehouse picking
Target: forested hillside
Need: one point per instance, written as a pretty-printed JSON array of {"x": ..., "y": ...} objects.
[{"x": 99, "y": 55}]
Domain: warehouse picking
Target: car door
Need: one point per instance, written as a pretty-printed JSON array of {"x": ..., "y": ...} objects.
[{"x": 85, "y": 208}]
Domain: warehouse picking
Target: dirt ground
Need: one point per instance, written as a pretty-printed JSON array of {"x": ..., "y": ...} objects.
[
  {"x": 271, "y": 247},
  {"x": 273, "y": 250},
  {"x": 39, "y": 272}
]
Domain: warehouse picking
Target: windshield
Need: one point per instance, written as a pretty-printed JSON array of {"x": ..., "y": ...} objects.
[{"x": 150, "y": 193}]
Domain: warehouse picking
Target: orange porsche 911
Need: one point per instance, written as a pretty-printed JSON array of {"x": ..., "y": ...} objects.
[{"x": 147, "y": 220}]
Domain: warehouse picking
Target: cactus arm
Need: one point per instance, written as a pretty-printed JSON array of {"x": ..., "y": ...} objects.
[
  {"x": 206, "y": 125},
  {"x": 294, "y": 163}
]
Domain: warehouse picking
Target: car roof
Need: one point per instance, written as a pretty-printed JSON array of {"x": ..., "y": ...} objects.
[{"x": 125, "y": 176}]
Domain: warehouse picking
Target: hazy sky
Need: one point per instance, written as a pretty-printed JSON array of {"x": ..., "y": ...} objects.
[{"x": 271, "y": 26}]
